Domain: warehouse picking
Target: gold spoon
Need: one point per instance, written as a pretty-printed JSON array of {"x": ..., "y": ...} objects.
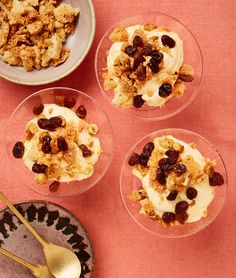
[
  {"x": 38, "y": 271},
  {"x": 61, "y": 261}
]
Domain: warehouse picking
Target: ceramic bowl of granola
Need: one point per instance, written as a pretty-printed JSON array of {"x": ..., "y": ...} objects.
[
  {"x": 173, "y": 183},
  {"x": 44, "y": 41},
  {"x": 59, "y": 142},
  {"x": 149, "y": 66}
]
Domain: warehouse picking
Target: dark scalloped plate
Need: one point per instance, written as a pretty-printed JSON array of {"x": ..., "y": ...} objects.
[{"x": 55, "y": 224}]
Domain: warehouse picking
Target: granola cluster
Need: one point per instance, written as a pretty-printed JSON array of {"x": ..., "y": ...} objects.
[
  {"x": 59, "y": 148},
  {"x": 141, "y": 59},
  {"x": 174, "y": 174},
  {"x": 33, "y": 32}
]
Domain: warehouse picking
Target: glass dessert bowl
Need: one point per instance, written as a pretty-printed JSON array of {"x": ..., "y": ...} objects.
[
  {"x": 59, "y": 141},
  {"x": 173, "y": 183},
  {"x": 149, "y": 66}
]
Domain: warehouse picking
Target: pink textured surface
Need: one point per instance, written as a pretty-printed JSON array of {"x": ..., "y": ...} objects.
[{"x": 122, "y": 249}]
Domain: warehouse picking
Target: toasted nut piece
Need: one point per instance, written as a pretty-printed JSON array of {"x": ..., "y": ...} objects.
[
  {"x": 35, "y": 27},
  {"x": 193, "y": 145},
  {"x": 209, "y": 167},
  {"x": 178, "y": 147},
  {"x": 165, "y": 142},
  {"x": 41, "y": 178},
  {"x": 93, "y": 129},
  {"x": 186, "y": 73},
  {"x": 179, "y": 88},
  {"x": 149, "y": 27}
]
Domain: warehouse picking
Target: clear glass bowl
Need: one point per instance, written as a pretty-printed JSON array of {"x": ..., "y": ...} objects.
[
  {"x": 128, "y": 183},
  {"x": 15, "y": 132},
  {"x": 192, "y": 56}
]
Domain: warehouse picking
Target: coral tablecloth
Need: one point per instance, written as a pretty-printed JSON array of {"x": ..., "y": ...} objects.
[{"x": 122, "y": 248}]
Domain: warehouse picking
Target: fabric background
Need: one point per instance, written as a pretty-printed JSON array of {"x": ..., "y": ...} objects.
[{"x": 122, "y": 248}]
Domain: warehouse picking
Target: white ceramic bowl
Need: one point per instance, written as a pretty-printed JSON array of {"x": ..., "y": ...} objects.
[{"x": 79, "y": 44}]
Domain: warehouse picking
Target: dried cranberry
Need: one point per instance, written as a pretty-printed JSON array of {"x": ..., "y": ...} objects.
[
  {"x": 85, "y": 150},
  {"x": 141, "y": 72},
  {"x": 147, "y": 49},
  {"x": 46, "y": 148},
  {"x": 55, "y": 122},
  {"x": 165, "y": 165},
  {"x": 130, "y": 50},
  {"x": 62, "y": 144},
  {"x": 138, "y": 59},
  {"x": 154, "y": 65},
  {"x": 185, "y": 77},
  {"x": 138, "y": 101},
  {"x": 165, "y": 90},
  {"x": 161, "y": 178},
  {"x": 134, "y": 159},
  {"x": 168, "y": 217},
  {"x": 69, "y": 102},
  {"x": 191, "y": 193},
  {"x": 47, "y": 139},
  {"x": 39, "y": 168},
  {"x": 18, "y": 150},
  {"x": 38, "y": 109},
  {"x": 172, "y": 195},
  {"x": 43, "y": 123},
  {"x": 158, "y": 56},
  {"x": 181, "y": 217},
  {"x": 53, "y": 187},
  {"x": 138, "y": 41},
  {"x": 181, "y": 207},
  {"x": 167, "y": 41},
  {"x": 216, "y": 179},
  {"x": 173, "y": 155},
  {"x": 143, "y": 159},
  {"x": 149, "y": 147},
  {"x": 180, "y": 169},
  {"x": 81, "y": 112}
]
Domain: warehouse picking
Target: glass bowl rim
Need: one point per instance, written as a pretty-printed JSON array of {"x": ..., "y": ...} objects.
[
  {"x": 124, "y": 111},
  {"x": 93, "y": 101},
  {"x": 226, "y": 183}
]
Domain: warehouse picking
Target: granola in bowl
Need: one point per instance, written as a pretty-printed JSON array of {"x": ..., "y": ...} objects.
[
  {"x": 59, "y": 144},
  {"x": 178, "y": 182},
  {"x": 145, "y": 66},
  {"x": 33, "y": 32}
]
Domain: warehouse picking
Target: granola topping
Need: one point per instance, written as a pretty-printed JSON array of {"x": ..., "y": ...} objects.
[
  {"x": 33, "y": 33},
  {"x": 61, "y": 147}
]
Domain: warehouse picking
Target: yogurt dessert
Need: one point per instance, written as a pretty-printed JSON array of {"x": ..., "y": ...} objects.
[
  {"x": 178, "y": 182},
  {"x": 145, "y": 66},
  {"x": 59, "y": 144}
]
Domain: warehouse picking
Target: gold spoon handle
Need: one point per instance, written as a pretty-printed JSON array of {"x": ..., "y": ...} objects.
[
  {"x": 22, "y": 219},
  {"x": 17, "y": 259}
]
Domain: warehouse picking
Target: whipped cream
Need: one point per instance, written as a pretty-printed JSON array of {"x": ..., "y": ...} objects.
[
  {"x": 81, "y": 167},
  {"x": 205, "y": 192},
  {"x": 172, "y": 61}
]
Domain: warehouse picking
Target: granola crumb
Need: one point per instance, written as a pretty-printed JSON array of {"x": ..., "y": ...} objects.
[
  {"x": 119, "y": 34},
  {"x": 33, "y": 32}
]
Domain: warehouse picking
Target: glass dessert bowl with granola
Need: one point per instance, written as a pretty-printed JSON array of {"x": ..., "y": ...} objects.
[
  {"x": 144, "y": 66},
  {"x": 173, "y": 183},
  {"x": 66, "y": 143}
]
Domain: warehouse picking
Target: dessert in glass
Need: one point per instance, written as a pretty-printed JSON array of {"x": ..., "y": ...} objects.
[
  {"x": 175, "y": 183},
  {"x": 64, "y": 141},
  {"x": 149, "y": 66}
]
